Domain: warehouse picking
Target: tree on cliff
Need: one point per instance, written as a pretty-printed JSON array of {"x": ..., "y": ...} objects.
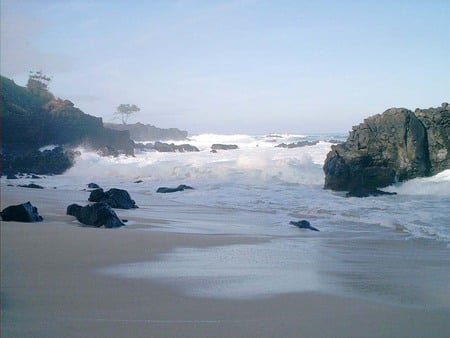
[
  {"x": 38, "y": 85},
  {"x": 125, "y": 110}
]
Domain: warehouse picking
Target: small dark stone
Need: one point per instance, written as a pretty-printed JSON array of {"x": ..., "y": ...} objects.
[
  {"x": 31, "y": 185},
  {"x": 138, "y": 181},
  {"x": 303, "y": 224},
  {"x": 219, "y": 146},
  {"x": 93, "y": 186},
  {"x": 11, "y": 177}
]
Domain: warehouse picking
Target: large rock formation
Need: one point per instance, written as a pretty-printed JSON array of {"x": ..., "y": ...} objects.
[
  {"x": 31, "y": 121},
  {"x": 395, "y": 146}
]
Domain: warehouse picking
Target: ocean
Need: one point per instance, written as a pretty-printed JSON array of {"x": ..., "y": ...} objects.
[{"x": 387, "y": 248}]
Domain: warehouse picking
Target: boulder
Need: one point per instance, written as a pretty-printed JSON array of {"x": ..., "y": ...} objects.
[
  {"x": 24, "y": 212},
  {"x": 181, "y": 187},
  {"x": 368, "y": 192},
  {"x": 93, "y": 186},
  {"x": 391, "y": 147},
  {"x": 97, "y": 215},
  {"x": 218, "y": 146},
  {"x": 116, "y": 198},
  {"x": 303, "y": 224}
]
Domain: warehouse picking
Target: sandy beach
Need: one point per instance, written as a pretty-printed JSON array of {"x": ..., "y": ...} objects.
[{"x": 51, "y": 287}]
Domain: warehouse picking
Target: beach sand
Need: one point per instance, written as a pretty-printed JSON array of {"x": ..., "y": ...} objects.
[{"x": 51, "y": 287}]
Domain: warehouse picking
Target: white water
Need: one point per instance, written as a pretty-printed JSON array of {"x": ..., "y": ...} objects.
[{"x": 285, "y": 184}]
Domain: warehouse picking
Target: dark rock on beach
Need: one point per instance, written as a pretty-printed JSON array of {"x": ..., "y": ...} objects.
[
  {"x": 25, "y": 212},
  {"x": 31, "y": 185},
  {"x": 391, "y": 147},
  {"x": 97, "y": 215},
  {"x": 303, "y": 224},
  {"x": 116, "y": 198},
  {"x": 218, "y": 146},
  {"x": 93, "y": 186},
  {"x": 181, "y": 187}
]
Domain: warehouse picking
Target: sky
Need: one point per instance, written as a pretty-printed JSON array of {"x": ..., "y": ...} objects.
[{"x": 237, "y": 66}]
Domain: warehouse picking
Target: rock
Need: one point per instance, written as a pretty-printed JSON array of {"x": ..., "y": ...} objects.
[
  {"x": 25, "y": 212},
  {"x": 297, "y": 145},
  {"x": 116, "y": 198},
  {"x": 437, "y": 124},
  {"x": 219, "y": 146},
  {"x": 169, "y": 190},
  {"x": 36, "y": 177},
  {"x": 31, "y": 185},
  {"x": 368, "y": 192},
  {"x": 11, "y": 177},
  {"x": 93, "y": 186},
  {"x": 303, "y": 224},
  {"x": 171, "y": 148},
  {"x": 138, "y": 181},
  {"x": 97, "y": 215},
  {"x": 395, "y": 146}
]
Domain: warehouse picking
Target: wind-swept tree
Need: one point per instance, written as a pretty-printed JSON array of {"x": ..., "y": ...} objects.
[{"x": 125, "y": 110}]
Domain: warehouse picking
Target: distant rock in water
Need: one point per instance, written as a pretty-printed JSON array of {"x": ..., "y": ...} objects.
[
  {"x": 147, "y": 132},
  {"x": 171, "y": 148},
  {"x": 97, "y": 215},
  {"x": 93, "y": 186},
  {"x": 219, "y": 146},
  {"x": 297, "y": 145},
  {"x": 303, "y": 224},
  {"x": 386, "y": 148},
  {"x": 115, "y": 198},
  {"x": 181, "y": 187},
  {"x": 24, "y": 212}
]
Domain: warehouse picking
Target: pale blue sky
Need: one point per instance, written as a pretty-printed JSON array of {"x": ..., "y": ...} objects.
[{"x": 234, "y": 66}]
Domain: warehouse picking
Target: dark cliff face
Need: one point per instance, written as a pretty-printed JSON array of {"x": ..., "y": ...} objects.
[
  {"x": 394, "y": 146},
  {"x": 30, "y": 122}
]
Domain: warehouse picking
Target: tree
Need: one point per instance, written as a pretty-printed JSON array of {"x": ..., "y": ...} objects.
[
  {"x": 125, "y": 110},
  {"x": 38, "y": 84}
]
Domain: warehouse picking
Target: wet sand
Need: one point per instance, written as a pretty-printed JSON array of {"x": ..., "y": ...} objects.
[{"x": 51, "y": 287}]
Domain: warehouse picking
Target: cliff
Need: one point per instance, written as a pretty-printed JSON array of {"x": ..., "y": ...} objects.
[
  {"x": 394, "y": 146},
  {"x": 31, "y": 121}
]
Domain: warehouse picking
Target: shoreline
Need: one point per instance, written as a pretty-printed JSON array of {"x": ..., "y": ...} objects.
[{"x": 51, "y": 286}]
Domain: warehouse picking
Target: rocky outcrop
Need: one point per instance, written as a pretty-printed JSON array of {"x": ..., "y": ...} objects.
[
  {"x": 394, "y": 146},
  {"x": 30, "y": 122},
  {"x": 24, "y": 212},
  {"x": 146, "y": 132},
  {"x": 96, "y": 215}
]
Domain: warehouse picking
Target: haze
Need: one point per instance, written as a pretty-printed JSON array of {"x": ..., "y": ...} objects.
[{"x": 234, "y": 66}]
